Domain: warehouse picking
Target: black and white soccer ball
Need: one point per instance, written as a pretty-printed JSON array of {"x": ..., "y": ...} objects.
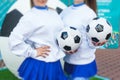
[
  {"x": 69, "y": 39},
  {"x": 99, "y": 30}
]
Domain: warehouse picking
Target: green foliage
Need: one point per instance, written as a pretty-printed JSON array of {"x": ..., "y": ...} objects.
[{"x": 7, "y": 75}]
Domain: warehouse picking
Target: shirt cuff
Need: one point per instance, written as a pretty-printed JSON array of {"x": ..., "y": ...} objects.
[{"x": 34, "y": 54}]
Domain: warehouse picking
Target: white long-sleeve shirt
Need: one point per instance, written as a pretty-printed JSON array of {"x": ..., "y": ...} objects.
[
  {"x": 35, "y": 29},
  {"x": 79, "y": 17}
]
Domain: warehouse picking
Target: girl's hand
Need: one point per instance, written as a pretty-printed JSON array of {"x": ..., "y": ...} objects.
[
  {"x": 70, "y": 52},
  {"x": 43, "y": 51},
  {"x": 99, "y": 43}
]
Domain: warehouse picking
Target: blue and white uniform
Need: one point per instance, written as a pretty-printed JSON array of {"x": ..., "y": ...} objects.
[
  {"x": 38, "y": 27},
  {"x": 81, "y": 63}
]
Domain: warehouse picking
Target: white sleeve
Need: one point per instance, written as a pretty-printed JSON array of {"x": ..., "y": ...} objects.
[
  {"x": 18, "y": 38},
  {"x": 63, "y": 13},
  {"x": 91, "y": 17},
  {"x": 91, "y": 44}
]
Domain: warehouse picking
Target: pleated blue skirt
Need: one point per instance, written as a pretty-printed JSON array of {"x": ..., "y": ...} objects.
[
  {"x": 33, "y": 69},
  {"x": 86, "y": 71}
]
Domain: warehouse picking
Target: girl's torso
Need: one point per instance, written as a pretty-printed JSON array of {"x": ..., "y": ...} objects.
[{"x": 79, "y": 17}]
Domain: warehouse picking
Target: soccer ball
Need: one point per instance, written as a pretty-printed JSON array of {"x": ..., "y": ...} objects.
[
  {"x": 99, "y": 30},
  {"x": 69, "y": 39}
]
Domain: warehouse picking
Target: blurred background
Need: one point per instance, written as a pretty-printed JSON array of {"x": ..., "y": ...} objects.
[{"x": 108, "y": 55}]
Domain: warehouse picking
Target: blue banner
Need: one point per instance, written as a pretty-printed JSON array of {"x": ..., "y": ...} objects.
[
  {"x": 4, "y": 7},
  {"x": 110, "y": 10},
  {"x": 67, "y": 2}
]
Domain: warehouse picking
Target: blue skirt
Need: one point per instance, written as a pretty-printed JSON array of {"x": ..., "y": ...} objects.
[
  {"x": 33, "y": 69},
  {"x": 86, "y": 71}
]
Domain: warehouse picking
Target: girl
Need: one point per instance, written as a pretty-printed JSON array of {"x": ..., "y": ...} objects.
[
  {"x": 34, "y": 38},
  {"x": 81, "y": 65}
]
